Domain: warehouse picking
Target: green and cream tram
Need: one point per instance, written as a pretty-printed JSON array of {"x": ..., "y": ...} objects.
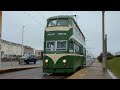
[{"x": 64, "y": 45}]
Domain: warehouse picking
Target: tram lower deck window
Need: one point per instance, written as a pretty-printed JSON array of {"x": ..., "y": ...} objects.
[
  {"x": 61, "y": 45},
  {"x": 56, "y": 45},
  {"x": 50, "y": 45}
]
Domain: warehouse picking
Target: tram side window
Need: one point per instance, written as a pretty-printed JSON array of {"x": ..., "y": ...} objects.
[
  {"x": 71, "y": 47},
  {"x": 51, "y": 46},
  {"x": 81, "y": 50},
  {"x": 77, "y": 49},
  {"x": 70, "y": 22},
  {"x": 61, "y": 45},
  {"x": 84, "y": 51},
  {"x": 52, "y": 22}
]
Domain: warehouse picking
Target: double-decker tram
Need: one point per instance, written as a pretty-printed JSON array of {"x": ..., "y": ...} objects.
[{"x": 64, "y": 45}]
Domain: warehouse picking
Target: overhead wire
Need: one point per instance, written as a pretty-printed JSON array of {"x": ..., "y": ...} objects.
[
  {"x": 33, "y": 18},
  {"x": 41, "y": 15}
]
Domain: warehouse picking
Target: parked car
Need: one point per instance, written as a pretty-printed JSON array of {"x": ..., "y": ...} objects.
[{"x": 27, "y": 59}]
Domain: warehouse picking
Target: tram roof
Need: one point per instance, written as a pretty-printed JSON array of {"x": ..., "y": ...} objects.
[{"x": 61, "y": 16}]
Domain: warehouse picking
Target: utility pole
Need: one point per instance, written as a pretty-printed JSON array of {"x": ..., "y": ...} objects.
[
  {"x": 103, "y": 45},
  {"x": 22, "y": 40},
  {"x": 0, "y": 35},
  {"x": 105, "y": 53}
]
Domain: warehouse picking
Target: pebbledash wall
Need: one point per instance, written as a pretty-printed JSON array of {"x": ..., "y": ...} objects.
[{"x": 13, "y": 49}]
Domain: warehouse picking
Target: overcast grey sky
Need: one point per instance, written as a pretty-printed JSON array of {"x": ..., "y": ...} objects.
[{"x": 90, "y": 23}]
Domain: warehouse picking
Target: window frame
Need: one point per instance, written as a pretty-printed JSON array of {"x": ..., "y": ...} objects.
[
  {"x": 50, "y": 20},
  {"x": 71, "y": 43},
  {"x": 62, "y": 48},
  {"x": 63, "y": 19},
  {"x": 68, "y": 20},
  {"x": 55, "y": 48},
  {"x": 50, "y": 48}
]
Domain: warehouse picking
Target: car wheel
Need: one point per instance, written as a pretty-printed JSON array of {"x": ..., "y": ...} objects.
[
  {"x": 27, "y": 62},
  {"x": 35, "y": 62},
  {"x": 19, "y": 63}
]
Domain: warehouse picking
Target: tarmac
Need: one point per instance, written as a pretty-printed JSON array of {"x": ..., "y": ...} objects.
[
  {"x": 94, "y": 71},
  {"x": 16, "y": 67}
]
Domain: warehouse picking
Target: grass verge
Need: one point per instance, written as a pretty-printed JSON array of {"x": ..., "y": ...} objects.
[{"x": 114, "y": 66}]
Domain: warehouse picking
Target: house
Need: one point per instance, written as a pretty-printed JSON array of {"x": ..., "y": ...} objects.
[{"x": 9, "y": 49}]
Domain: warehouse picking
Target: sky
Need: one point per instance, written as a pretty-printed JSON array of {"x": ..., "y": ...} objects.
[{"x": 90, "y": 23}]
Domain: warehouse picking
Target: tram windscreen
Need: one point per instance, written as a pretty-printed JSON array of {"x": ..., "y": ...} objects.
[
  {"x": 51, "y": 45},
  {"x": 61, "y": 45},
  {"x": 57, "y": 45}
]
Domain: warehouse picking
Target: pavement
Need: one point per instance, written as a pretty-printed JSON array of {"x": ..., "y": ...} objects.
[
  {"x": 94, "y": 71},
  {"x": 14, "y": 66}
]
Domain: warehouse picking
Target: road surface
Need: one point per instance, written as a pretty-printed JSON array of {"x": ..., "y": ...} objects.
[{"x": 36, "y": 73}]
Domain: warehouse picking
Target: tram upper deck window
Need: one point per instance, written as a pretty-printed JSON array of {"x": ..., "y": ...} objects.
[
  {"x": 62, "y": 22},
  {"x": 52, "y": 22},
  {"x": 50, "y": 45},
  {"x": 69, "y": 22}
]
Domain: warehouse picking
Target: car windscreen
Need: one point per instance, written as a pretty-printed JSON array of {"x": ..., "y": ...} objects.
[
  {"x": 25, "y": 56},
  {"x": 32, "y": 56}
]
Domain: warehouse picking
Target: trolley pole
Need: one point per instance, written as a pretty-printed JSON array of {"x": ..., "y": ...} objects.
[
  {"x": 0, "y": 36},
  {"x": 103, "y": 45}
]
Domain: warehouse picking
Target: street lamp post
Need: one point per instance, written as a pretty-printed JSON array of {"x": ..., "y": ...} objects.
[
  {"x": 10, "y": 52},
  {"x": 22, "y": 40}
]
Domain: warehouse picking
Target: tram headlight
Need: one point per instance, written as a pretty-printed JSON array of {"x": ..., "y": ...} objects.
[
  {"x": 46, "y": 61},
  {"x": 64, "y": 61}
]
